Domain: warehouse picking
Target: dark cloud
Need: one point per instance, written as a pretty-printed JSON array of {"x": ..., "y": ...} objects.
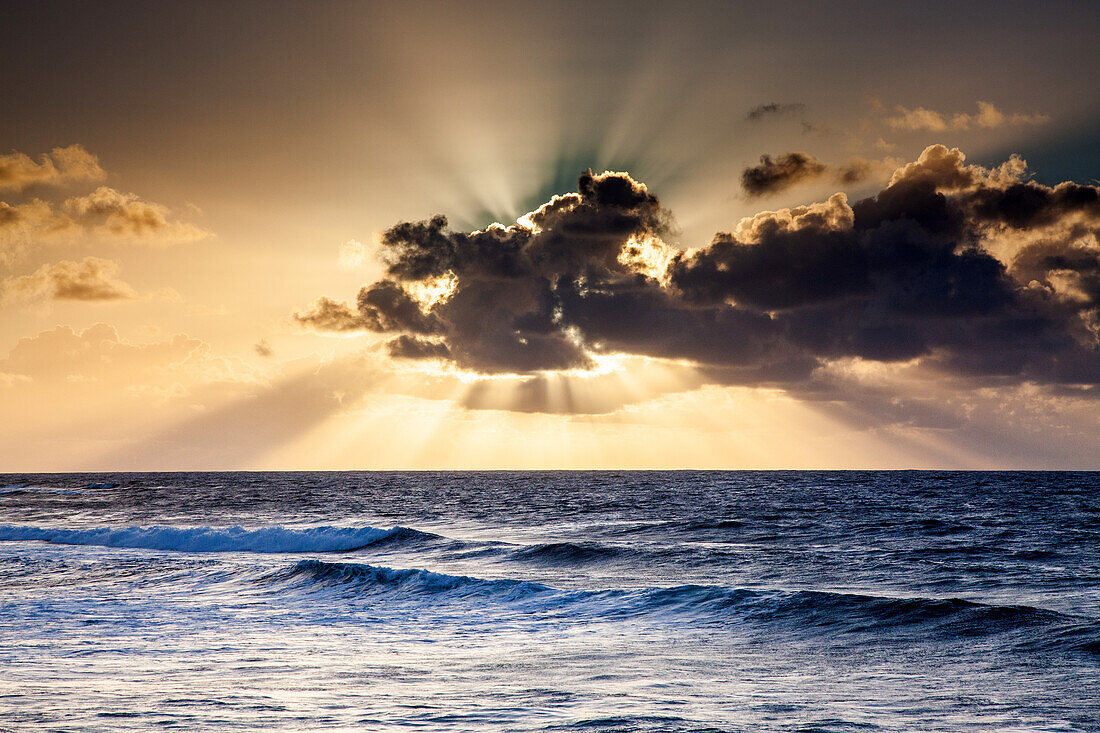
[
  {"x": 908, "y": 274},
  {"x": 854, "y": 171},
  {"x": 775, "y": 175},
  {"x": 330, "y": 315},
  {"x": 385, "y": 306},
  {"x": 773, "y": 109},
  {"x": 1026, "y": 205},
  {"x": 778, "y": 174},
  {"x": 411, "y": 347}
]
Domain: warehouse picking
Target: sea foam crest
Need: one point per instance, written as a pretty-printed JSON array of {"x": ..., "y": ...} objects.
[{"x": 217, "y": 539}]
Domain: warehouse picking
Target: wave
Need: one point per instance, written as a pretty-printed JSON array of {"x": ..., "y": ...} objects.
[
  {"x": 566, "y": 553},
  {"x": 716, "y": 524},
  {"x": 220, "y": 539},
  {"x": 312, "y": 539},
  {"x": 369, "y": 579},
  {"x": 17, "y": 489},
  {"x": 800, "y": 612}
]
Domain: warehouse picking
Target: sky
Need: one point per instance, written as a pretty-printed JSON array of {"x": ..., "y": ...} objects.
[{"x": 290, "y": 235}]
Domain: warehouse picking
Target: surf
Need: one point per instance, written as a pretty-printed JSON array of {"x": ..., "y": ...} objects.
[{"x": 275, "y": 539}]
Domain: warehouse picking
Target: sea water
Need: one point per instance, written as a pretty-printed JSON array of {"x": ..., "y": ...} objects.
[{"x": 591, "y": 601}]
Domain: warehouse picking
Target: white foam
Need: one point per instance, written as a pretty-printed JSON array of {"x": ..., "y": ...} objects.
[{"x": 207, "y": 539}]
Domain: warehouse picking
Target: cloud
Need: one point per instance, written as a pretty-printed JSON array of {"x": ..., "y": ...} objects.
[
  {"x": 775, "y": 175},
  {"x": 352, "y": 254},
  {"x": 779, "y": 174},
  {"x": 328, "y": 315},
  {"x": 112, "y": 214},
  {"x": 411, "y": 347},
  {"x": 81, "y": 393},
  {"x": 33, "y": 221},
  {"x": 911, "y": 275},
  {"x": 987, "y": 117},
  {"x": 61, "y": 165},
  {"x": 773, "y": 109},
  {"x": 105, "y": 214},
  {"x": 262, "y": 348},
  {"x": 854, "y": 171},
  {"x": 92, "y": 279},
  {"x": 98, "y": 354}
]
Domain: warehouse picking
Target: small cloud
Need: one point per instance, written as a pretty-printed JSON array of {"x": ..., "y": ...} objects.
[
  {"x": 352, "y": 254},
  {"x": 778, "y": 174},
  {"x": 19, "y": 171},
  {"x": 166, "y": 295},
  {"x": 92, "y": 279},
  {"x": 918, "y": 119},
  {"x": 263, "y": 349},
  {"x": 761, "y": 111},
  {"x": 775, "y": 175},
  {"x": 11, "y": 380},
  {"x": 125, "y": 216},
  {"x": 988, "y": 117},
  {"x": 855, "y": 171},
  {"x": 331, "y": 316},
  {"x": 105, "y": 214}
]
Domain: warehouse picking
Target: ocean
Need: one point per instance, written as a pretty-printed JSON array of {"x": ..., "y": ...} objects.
[{"x": 557, "y": 601}]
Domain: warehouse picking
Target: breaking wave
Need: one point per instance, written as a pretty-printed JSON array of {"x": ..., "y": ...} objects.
[
  {"x": 219, "y": 539},
  {"x": 803, "y": 612}
]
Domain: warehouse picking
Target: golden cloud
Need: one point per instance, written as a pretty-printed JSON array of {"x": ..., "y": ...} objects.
[
  {"x": 92, "y": 279},
  {"x": 987, "y": 117},
  {"x": 19, "y": 171}
]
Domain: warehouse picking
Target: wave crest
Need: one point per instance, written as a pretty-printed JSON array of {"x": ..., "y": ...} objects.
[
  {"x": 372, "y": 579},
  {"x": 799, "y": 612},
  {"x": 219, "y": 539}
]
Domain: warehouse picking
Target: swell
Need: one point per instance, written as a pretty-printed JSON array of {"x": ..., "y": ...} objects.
[
  {"x": 567, "y": 553},
  {"x": 803, "y": 612},
  {"x": 220, "y": 539},
  {"x": 361, "y": 579}
]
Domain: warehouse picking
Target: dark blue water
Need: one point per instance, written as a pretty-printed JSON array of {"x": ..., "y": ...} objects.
[{"x": 632, "y": 601}]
